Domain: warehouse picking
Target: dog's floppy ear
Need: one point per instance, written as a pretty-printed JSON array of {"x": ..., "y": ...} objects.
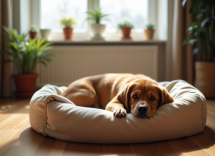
[
  {"x": 124, "y": 95},
  {"x": 165, "y": 97}
]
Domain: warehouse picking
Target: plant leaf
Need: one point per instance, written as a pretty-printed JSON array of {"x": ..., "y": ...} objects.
[
  {"x": 192, "y": 41},
  {"x": 186, "y": 41},
  {"x": 184, "y": 2},
  {"x": 204, "y": 22},
  {"x": 195, "y": 51}
]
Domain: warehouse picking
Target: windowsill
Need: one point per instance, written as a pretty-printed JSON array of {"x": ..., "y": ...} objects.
[{"x": 106, "y": 42}]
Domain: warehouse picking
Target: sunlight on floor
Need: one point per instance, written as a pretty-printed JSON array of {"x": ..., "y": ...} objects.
[{"x": 5, "y": 108}]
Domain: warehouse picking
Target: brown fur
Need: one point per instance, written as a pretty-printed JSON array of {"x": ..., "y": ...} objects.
[{"x": 114, "y": 92}]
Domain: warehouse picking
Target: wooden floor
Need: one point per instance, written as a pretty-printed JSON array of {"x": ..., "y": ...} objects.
[{"x": 17, "y": 138}]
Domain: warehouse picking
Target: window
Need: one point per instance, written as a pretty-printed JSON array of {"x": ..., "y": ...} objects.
[
  {"x": 50, "y": 14},
  {"x": 140, "y": 12},
  {"x": 134, "y": 10}
]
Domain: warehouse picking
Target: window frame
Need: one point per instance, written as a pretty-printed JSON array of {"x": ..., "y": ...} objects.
[{"x": 152, "y": 18}]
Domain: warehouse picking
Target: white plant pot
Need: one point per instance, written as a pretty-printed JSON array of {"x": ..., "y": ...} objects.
[
  {"x": 45, "y": 33},
  {"x": 98, "y": 30}
]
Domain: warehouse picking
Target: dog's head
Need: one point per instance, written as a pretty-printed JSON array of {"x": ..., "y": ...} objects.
[{"x": 142, "y": 97}]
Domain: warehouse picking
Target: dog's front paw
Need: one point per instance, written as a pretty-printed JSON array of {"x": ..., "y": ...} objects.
[{"x": 119, "y": 112}]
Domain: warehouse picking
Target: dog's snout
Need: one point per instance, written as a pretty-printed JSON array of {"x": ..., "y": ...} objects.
[{"x": 142, "y": 109}]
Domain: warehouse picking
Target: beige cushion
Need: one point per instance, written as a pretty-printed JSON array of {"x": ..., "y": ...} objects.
[{"x": 56, "y": 116}]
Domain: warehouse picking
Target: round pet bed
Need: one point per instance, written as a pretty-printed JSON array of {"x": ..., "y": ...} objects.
[{"x": 58, "y": 117}]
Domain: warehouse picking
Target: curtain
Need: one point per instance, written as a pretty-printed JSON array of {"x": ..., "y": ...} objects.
[
  {"x": 179, "y": 58},
  {"x": 5, "y": 69}
]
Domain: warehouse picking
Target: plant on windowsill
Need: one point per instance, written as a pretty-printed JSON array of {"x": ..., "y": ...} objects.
[
  {"x": 97, "y": 28},
  {"x": 33, "y": 32},
  {"x": 126, "y": 25},
  {"x": 25, "y": 55},
  {"x": 202, "y": 38},
  {"x": 149, "y": 31},
  {"x": 67, "y": 23}
]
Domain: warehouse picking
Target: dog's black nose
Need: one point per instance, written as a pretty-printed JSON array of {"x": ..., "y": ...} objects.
[{"x": 142, "y": 109}]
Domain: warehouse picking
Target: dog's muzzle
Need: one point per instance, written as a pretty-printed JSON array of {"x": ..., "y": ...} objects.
[{"x": 142, "y": 110}]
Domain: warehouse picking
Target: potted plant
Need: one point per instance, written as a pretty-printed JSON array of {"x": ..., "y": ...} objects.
[
  {"x": 33, "y": 32},
  {"x": 97, "y": 28},
  {"x": 25, "y": 55},
  {"x": 67, "y": 23},
  {"x": 201, "y": 36},
  {"x": 45, "y": 33},
  {"x": 149, "y": 32},
  {"x": 126, "y": 25}
]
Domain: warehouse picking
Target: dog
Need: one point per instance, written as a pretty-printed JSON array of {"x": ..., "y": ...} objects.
[{"x": 119, "y": 93}]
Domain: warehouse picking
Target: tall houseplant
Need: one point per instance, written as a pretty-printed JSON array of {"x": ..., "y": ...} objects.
[
  {"x": 97, "y": 28},
  {"x": 202, "y": 37},
  {"x": 68, "y": 23},
  {"x": 126, "y": 25},
  {"x": 25, "y": 55}
]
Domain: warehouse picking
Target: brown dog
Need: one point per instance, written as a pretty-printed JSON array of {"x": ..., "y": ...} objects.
[{"x": 119, "y": 93}]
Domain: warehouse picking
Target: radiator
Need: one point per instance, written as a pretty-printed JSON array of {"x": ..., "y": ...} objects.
[{"x": 74, "y": 62}]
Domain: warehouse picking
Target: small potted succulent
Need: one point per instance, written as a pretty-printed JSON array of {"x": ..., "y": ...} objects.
[
  {"x": 97, "y": 28},
  {"x": 25, "y": 55},
  {"x": 67, "y": 23},
  {"x": 33, "y": 32},
  {"x": 149, "y": 32},
  {"x": 126, "y": 25}
]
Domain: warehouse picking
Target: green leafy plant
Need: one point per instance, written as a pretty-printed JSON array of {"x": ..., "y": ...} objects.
[
  {"x": 97, "y": 15},
  {"x": 67, "y": 22},
  {"x": 26, "y": 54},
  {"x": 126, "y": 23},
  {"x": 33, "y": 28},
  {"x": 202, "y": 30},
  {"x": 149, "y": 26}
]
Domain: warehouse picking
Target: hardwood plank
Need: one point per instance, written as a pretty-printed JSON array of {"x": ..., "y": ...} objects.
[
  {"x": 9, "y": 128},
  {"x": 96, "y": 149},
  {"x": 151, "y": 149},
  {"x": 45, "y": 146},
  {"x": 12, "y": 122},
  {"x": 12, "y": 106},
  {"x": 209, "y": 132},
  {"x": 187, "y": 147},
  {"x": 206, "y": 144},
  {"x": 182, "y": 146},
  {"x": 58, "y": 148},
  {"x": 6, "y": 141},
  {"x": 26, "y": 143}
]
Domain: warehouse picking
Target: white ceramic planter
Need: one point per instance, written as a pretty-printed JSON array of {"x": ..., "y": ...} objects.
[
  {"x": 98, "y": 30},
  {"x": 45, "y": 33}
]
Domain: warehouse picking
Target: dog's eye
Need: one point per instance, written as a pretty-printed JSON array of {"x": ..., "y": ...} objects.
[
  {"x": 135, "y": 97},
  {"x": 152, "y": 98}
]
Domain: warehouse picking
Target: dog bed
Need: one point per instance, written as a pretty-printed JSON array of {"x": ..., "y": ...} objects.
[{"x": 56, "y": 116}]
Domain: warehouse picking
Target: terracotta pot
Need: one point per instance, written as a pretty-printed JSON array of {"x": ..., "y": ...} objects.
[
  {"x": 33, "y": 34},
  {"x": 126, "y": 33},
  {"x": 205, "y": 78},
  {"x": 149, "y": 33},
  {"x": 67, "y": 33},
  {"x": 25, "y": 85}
]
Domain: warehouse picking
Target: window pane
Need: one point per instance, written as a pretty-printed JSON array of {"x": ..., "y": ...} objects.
[
  {"x": 135, "y": 10},
  {"x": 52, "y": 11}
]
